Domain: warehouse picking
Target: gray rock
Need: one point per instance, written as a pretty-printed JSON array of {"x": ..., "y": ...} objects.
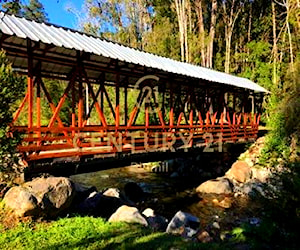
[
  {"x": 41, "y": 197},
  {"x": 240, "y": 171},
  {"x": 181, "y": 221},
  {"x": 261, "y": 174},
  {"x": 116, "y": 193},
  {"x": 22, "y": 202},
  {"x": 54, "y": 194},
  {"x": 112, "y": 192},
  {"x": 148, "y": 212},
  {"x": 128, "y": 214},
  {"x": 216, "y": 186}
]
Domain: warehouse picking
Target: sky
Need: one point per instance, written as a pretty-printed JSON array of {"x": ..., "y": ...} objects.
[{"x": 57, "y": 13}]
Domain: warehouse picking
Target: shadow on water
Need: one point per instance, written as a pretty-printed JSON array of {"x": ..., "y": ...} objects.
[{"x": 167, "y": 193}]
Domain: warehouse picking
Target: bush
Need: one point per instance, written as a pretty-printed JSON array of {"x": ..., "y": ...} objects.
[
  {"x": 11, "y": 89},
  {"x": 284, "y": 119}
]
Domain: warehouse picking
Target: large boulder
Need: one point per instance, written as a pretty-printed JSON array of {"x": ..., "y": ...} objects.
[
  {"x": 239, "y": 171},
  {"x": 22, "y": 202},
  {"x": 216, "y": 186},
  {"x": 128, "y": 214},
  {"x": 43, "y": 197},
  {"x": 183, "y": 224}
]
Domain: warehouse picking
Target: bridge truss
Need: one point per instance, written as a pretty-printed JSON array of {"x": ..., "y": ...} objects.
[{"x": 111, "y": 106}]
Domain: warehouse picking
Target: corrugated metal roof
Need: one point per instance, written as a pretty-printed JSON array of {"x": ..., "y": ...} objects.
[{"x": 71, "y": 39}]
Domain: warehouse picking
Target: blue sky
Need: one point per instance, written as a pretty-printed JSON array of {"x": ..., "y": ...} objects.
[{"x": 57, "y": 13}]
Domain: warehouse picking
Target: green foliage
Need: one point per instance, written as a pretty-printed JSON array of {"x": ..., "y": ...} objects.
[
  {"x": 89, "y": 233},
  {"x": 56, "y": 89},
  {"x": 284, "y": 119},
  {"x": 163, "y": 39},
  {"x": 12, "y": 7},
  {"x": 35, "y": 11},
  {"x": 258, "y": 68},
  {"x": 11, "y": 89}
]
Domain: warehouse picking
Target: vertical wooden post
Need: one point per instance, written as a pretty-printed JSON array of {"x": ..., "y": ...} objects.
[
  {"x": 147, "y": 115},
  {"x": 80, "y": 103},
  {"x": 171, "y": 107},
  {"x": 102, "y": 96},
  {"x": 125, "y": 103},
  {"x": 87, "y": 108},
  {"x": 191, "y": 119},
  {"x": 38, "y": 106},
  {"x": 80, "y": 95},
  {"x": 73, "y": 110},
  {"x": 30, "y": 84},
  {"x": 253, "y": 103},
  {"x": 117, "y": 121},
  {"x": 163, "y": 100}
]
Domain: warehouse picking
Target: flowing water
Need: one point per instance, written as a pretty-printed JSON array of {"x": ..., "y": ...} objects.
[{"x": 168, "y": 195}]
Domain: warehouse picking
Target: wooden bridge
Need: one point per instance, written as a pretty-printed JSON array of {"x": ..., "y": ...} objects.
[{"x": 117, "y": 99}]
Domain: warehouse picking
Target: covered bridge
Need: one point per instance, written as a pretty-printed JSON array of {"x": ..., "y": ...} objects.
[{"x": 119, "y": 99}]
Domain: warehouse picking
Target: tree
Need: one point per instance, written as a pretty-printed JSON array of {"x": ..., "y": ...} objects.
[
  {"x": 123, "y": 21},
  {"x": 231, "y": 11},
  {"x": 11, "y": 89},
  {"x": 35, "y": 11},
  {"x": 181, "y": 7},
  {"x": 207, "y": 48},
  {"x": 13, "y": 7}
]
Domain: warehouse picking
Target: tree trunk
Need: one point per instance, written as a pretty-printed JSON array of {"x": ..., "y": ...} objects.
[
  {"x": 275, "y": 50},
  {"x": 199, "y": 13},
  {"x": 180, "y": 10},
  {"x": 212, "y": 33},
  {"x": 289, "y": 34},
  {"x": 228, "y": 36},
  {"x": 229, "y": 26}
]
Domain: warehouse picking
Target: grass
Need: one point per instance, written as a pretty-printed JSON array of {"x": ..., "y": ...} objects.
[{"x": 89, "y": 233}]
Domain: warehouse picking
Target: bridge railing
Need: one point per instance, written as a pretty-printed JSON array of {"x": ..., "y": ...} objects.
[{"x": 54, "y": 142}]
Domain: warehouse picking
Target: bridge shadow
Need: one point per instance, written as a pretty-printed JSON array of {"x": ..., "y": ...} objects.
[{"x": 73, "y": 165}]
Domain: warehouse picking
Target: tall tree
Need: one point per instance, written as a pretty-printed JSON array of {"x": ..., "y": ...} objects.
[
  {"x": 121, "y": 20},
  {"x": 13, "y": 7},
  {"x": 35, "y": 11},
  {"x": 181, "y": 7},
  {"x": 275, "y": 49},
  {"x": 206, "y": 43},
  {"x": 231, "y": 11}
]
